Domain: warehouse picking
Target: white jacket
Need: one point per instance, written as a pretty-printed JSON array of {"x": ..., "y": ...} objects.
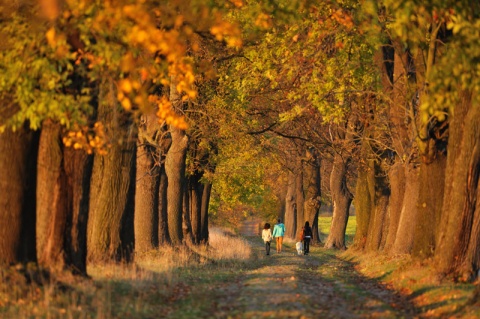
[{"x": 267, "y": 235}]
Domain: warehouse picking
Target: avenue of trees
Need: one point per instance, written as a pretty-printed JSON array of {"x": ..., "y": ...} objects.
[{"x": 127, "y": 124}]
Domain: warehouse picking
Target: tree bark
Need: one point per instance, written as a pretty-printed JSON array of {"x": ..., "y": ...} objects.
[
  {"x": 146, "y": 186},
  {"x": 396, "y": 176},
  {"x": 430, "y": 202},
  {"x": 17, "y": 199},
  {"x": 207, "y": 189},
  {"x": 78, "y": 167},
  {"x": 313, "y": 193},
  {"x": 196, "y": 191},
  {"x": 111, "y": 186},
  {"x": 175, "y": 170},
  {"x": 186, "y": 214},
  {"x": 290, "y": 209},
  {"x": 52, "y": 198},
  {"x": 406, "y": 225},
  {"x": 458, "y": 237},
  {"x": 364, "y": 195},
  {"x": 62, "y": 202},
  {"x": 341, "y": 199},
  {"x": 379, "y": 217},
  {"x": 299, "y": 194},
  {"x": 163, "y": 236}
]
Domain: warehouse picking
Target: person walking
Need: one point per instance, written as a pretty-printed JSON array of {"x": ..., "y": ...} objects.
[
  {"x": 307, "y": 236},
  {"x": 267, "y": 237},
  {"x": 278, "y": 232}
]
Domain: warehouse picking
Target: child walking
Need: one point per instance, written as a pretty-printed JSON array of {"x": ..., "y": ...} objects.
[{"x": 267, "y": 237}]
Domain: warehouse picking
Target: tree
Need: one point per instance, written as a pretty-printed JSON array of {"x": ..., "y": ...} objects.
[
  {"x": 312, "y": 192},
  {"x": 175, "y": 172},
  {"x": 17, "y": 240},
  {"x": 111, "y": 191},
  {"x": 63, "y": 182}
]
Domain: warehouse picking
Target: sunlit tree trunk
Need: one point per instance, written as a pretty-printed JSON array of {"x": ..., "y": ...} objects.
[
  {"x": 17, "y": 195},
  {"x": 402, "y": 144},
  {"x": 313, "y": 193},
  {"x": 406, "y": 225},
  {"x": 290, "y": 209},
  {"x": 62, "y": 202},
  {"x": 175, "y": 170},
  {"x": 52, "y": 200},
  {"x": 377, "y": 231},
  {"x": 364, "y": 194},
  {"x": 458, "y": 242},
  {"x": 341, "y": 199},
  {"x": 146, "y": 185},
  {"x": 372, "y": 190},
  {"x": 396, "y": 176},
  {"x": 111, "y": 186},
  {"x": 431, "y": 141},
  {"x": 429, "y": 205}
]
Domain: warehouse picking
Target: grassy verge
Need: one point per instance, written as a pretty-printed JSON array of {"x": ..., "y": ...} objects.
[
  {"x": 436, "y": 298},
  {"x": 415, "y": 278}
]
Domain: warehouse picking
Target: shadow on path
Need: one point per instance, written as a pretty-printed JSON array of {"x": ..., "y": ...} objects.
[{"x": 320, "y": 285}]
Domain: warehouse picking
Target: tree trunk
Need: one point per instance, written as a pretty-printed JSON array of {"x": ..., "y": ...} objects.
[
  {"x": 458, "y": 243},
  {"x": 396, "y": 176},
  {"x": 62, "y": 202},
  {"x": 406, "y": 225},
  {"x": 163, "y": 236},
  {"x": 17, "y": 199},
  {"x": 175, "y": 170},
  {"x": 299, "y": 195},
  {"x": 364, "y": 196},
  {"x": 111, "y": 186},
  {"x": 186, "y": 215},
  {"x": 341, "y": 199},
  {"x": 146, "y": 186},
  {"x": 377, "y": 234},
  {"x": 207, "y": 189},
  {"x": 313, "y": 193},
  {"x": 52, "y": 198},
  {"x": 430, "y": 201},
  {"x": 78, "y": 167},
  {"x": 196, "y": 190},
  {"x": 290, "y": 209}
]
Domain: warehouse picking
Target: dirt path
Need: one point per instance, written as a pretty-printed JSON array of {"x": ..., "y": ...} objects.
[{"x": 316, "y": 286}]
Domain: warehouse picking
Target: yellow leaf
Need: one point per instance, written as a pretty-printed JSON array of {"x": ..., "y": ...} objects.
[
  {"x": 125, "y": 85},
  {"x": 127, "y": 63},
  {"x": 51, "y": 37},
  {"x": 127, "y": 105}
]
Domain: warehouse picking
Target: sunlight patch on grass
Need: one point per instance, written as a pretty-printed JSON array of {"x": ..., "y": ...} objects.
[
  {"x": 324, "y": 223},
  {"x": 435, "y": 297}
]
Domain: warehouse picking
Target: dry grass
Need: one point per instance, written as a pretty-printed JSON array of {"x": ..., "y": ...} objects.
[{"x": 150, "y": 288}]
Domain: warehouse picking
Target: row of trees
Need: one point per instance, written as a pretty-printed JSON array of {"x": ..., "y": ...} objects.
[
  {"x": 381, "y": 96},
  {"x": 105, "y": 137}
]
